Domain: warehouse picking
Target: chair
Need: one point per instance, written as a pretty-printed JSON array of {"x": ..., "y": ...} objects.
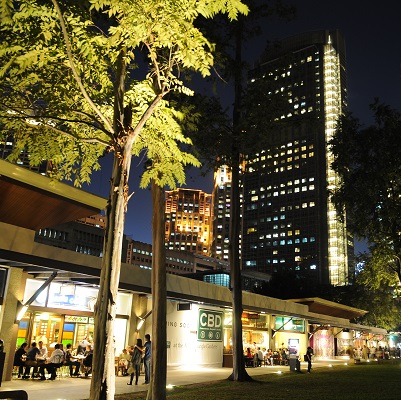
[{"x": 116, "y": 364}]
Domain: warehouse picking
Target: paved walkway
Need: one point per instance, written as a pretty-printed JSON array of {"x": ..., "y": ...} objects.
[{"x": 66, "y": 388}]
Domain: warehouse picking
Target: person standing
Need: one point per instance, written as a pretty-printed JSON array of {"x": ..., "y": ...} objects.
[
  {"x": 309, "y": 353},
  {"x": 147, "y": 357},
  {"x": 136, "y": 361}
]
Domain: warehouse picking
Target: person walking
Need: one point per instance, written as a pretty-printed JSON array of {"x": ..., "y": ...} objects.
[
  {"x": 136, "y": 362},
  {"x": 309, "y": 353},
  {"x": 147, "y": 357}
]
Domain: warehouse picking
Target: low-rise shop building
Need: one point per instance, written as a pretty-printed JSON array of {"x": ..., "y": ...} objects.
[{"x": 58, "y": 288}]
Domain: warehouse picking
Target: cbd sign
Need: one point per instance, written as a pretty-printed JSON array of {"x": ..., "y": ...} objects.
[{"x": 210, "y": 325}]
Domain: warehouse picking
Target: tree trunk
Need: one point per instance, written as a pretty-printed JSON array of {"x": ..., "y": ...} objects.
[
  {"x": 158, "y": 367},
  {"x": 103, "y": 374},
  {"x": 239, "y": 373}
]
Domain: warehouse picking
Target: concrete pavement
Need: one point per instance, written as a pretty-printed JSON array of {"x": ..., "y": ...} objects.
[{"x": 66, "y": 388}]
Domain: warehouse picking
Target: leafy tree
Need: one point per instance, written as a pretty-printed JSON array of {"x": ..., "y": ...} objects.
[
  {"x": 368, "y": 161},
  {"x": 69, "y": 94},
  {"x": 236, "y": 136},
  {"x": 376, "y": 290}
]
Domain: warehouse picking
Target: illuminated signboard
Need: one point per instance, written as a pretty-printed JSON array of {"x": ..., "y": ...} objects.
[
  {"x": 289, "y": 324},
  {"x": 210, "y": 325}
]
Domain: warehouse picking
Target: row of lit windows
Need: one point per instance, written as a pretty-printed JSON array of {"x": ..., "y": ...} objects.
[
  {"x": 53, "y": 234},
  {"x": 284, "y": 242},
  {"x": 88, "y": 250},
  {"x": 289, "y": 183},
  {"x": 252, "y": 263},
  {"x": 147, "y": 253},
  {"x": 282, "y": 151},
  {"x": 187, "y": 228},
  {"x": 289, "y": 159},
  {"x": 283, "y": 192},
  {"x": 186, "y": 216}
]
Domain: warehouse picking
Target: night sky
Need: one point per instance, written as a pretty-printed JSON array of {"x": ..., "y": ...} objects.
[{"x": 372, "y": 32}]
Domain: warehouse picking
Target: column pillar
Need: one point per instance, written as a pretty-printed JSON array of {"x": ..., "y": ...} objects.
[{"x": 15, "y": 289}]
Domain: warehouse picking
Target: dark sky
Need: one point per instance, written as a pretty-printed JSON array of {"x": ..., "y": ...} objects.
[{"x": 372, "y": 32}]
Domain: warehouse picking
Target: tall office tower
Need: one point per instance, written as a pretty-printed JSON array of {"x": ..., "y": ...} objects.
[
  {"x": 189, "y": 221},
  {"x": 221, "y": 205},
  {"x": 289, "y": 221},
  {"x": 222, "y": 211}
]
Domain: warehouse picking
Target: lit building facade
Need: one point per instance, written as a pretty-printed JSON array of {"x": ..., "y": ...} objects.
[
  {"x": 289, "y": 221},
  {"x": 189, "y": 221},
  {"x": 85, "y": 235},
  {"x": 221, "y": 204},
  {"x": 177, "y": 262}
]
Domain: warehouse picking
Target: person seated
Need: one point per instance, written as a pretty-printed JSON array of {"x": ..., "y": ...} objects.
[
  {"x": 269, "y": 357},
  {"x": 19, "y": 358},
  {"x": 71, "y": 361},
  {"x": 283, "y": 357},
  {"x": 55, "y": 361},
  {"x": 43, "y": 350},
  {"x": 123, "y": 361},
  {"x": 87, "y": 361},
  {"x": 34, "y": 359},
  {"x": 248, "y": 357},
  {"x": 260, "y": 357}
]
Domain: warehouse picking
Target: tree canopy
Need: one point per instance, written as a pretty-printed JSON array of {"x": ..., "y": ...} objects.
[
  {"x": 368, "y": 161},
  {"x": 81, "y": 79}
]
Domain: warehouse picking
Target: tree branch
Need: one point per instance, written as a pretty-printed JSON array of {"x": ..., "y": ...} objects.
[{"x": 74, "y": 70}]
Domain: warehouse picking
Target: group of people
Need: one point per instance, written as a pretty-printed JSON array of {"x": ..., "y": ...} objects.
[
  {"x": 37, "y": 357},
  {"x": 138, "y": 354},
  {"x": 256, "y": 357}
]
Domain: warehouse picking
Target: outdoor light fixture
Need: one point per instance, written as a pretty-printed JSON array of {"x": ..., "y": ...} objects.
[
  {"x": 142, "y": 320},
  {"x": 22, "y": 308},
  {"x": 140, "y": 323}
]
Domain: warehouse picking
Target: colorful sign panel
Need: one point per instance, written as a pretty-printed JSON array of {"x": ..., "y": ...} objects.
[{"x": 210, "y": 325}]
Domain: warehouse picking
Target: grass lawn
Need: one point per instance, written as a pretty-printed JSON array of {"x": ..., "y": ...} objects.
[{"x": 371, "y": 381}]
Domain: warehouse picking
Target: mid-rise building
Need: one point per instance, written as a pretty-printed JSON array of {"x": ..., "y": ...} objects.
[
  {"x": 177, "y": 262},
  {"x": 289, "y": 220},
  {"x": 189, "y": 221},
  {"x": 84, "y": 235}
]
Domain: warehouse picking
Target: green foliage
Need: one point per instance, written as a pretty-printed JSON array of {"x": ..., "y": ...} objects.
[
  {"x": 368, "y": 161},
  {"x": 62, "y": 107}
]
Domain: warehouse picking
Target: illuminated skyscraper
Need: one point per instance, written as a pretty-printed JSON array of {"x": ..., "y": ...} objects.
[
  {"x": 289, "y": 221},
  {"x": 221, "y": 203},
  {"x": 189, "y": 221}
]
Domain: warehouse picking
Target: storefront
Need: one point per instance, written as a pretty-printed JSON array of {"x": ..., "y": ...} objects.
[
  {"x": 289, "y": 333},
  {"x": 323, "y": 342},
  {"x": 63, "y": 313}
]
